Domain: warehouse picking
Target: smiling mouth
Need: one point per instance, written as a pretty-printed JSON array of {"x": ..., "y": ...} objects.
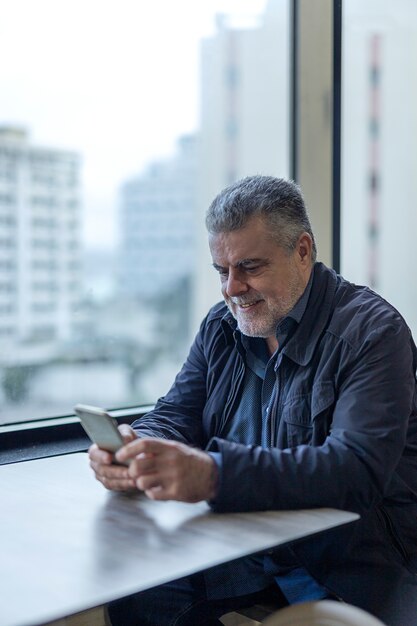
[{"x": 248, "y": 305}]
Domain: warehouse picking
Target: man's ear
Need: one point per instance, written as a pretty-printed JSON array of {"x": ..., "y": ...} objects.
[{"x": 305, "y": 248}]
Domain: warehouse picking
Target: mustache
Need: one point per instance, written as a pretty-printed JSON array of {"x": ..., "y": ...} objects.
[{"x": 243, "y": 300}]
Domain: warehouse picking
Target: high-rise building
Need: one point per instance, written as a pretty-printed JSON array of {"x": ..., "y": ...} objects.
[
  {"x": 158, "y": 224},
  {"x": 40, "y": 242},
  {"x": 244, "y": 116},
  {"x": 379, "y": 160}
]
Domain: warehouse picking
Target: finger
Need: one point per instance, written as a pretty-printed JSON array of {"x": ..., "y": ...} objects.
[
  {"x": 110, "y": 471},
  {"x": 133, "y": 449},
  {"x": 156, "y": 493},
  {"x": 127, "y": 433},
  {"x": 117, "y": 484},
  {"x": 97, "y": 455},
  {"x": 141, "y": 464},
  {"x": 148, "y": 482},
  {"x": 155, "y": 445},
  {"x": 113, "y": 476},
  {"x": 159, "y": 492}
]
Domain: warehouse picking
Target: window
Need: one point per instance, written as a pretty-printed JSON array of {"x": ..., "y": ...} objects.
[
  {"x": 379, "y": 159},
  {"x": 116, "y": 131}
]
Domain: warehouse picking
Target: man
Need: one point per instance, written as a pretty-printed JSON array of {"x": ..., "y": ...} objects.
[{"x": 299, "y": 391}]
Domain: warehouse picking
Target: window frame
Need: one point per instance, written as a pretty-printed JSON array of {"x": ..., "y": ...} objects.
[
  {"x": 25, "y": 441},
  {"x": 315, "y": 140}
]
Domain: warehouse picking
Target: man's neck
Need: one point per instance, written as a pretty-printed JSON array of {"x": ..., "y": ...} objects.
[{"x": 272, "y": 344}]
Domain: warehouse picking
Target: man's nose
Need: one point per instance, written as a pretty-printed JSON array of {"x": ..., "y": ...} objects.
[{"x": 235, "y": 285}]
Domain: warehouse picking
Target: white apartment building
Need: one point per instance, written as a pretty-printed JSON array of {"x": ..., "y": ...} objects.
[
  {"x": 40, "y": 245},
  {"x": 379, "y": 159},
  {"x": 157, "y": 223},
  {"x": 244, "y": 117}
]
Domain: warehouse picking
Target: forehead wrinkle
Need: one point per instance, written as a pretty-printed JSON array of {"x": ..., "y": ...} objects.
[{"x": 237, "y": 248}]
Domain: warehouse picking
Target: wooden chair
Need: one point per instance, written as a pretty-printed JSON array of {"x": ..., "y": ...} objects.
[
  {"x": 252, "y": 616},
  {"x": 321, "y": 613}
]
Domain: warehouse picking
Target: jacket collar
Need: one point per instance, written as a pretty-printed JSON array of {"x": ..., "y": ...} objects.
[{"x": 301, "y": 346}]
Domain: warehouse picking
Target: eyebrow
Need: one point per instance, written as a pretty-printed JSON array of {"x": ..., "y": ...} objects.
[{"x": 243, "y": 263}]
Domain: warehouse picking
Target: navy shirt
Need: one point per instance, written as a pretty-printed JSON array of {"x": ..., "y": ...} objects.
[{"x": 250, "y": 425}]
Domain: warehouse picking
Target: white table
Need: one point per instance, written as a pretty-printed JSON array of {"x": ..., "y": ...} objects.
[{"x": 66, "y": 544}]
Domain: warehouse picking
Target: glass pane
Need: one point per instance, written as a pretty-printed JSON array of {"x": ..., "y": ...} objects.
[
  {"x": 379, "y": 160},
  {"x": 119, "y": 122}
]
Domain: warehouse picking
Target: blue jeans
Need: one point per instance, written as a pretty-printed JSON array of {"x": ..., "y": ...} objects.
[{"x": 184, "y": 602}]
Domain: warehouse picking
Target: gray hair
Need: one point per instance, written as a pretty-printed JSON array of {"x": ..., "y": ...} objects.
[{"x": 278, "y": 201}]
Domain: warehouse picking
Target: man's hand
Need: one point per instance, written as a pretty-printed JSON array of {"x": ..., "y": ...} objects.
[
  {"x": 114, "y": 477},
  {"x": 169, "y": 470}
]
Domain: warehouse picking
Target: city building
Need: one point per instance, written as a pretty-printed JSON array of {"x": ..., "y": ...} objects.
[
  {"x": 158, "y": 224},
  {"x": 40, "y": 245},
  {"x": 379, "y": 186},
  {"x": 244, "y": 116}
]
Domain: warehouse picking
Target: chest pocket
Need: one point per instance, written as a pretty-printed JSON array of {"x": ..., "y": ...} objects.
[{"x": 306, "y": 418}]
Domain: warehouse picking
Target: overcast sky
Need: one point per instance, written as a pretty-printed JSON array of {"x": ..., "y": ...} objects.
[{"x": 115, "y": 80}]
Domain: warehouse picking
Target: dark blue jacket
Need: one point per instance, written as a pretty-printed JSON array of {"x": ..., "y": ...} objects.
[{"x": 344, "y": 433}]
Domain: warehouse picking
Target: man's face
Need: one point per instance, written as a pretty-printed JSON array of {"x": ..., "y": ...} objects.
[{"x": 260, "y": 281}]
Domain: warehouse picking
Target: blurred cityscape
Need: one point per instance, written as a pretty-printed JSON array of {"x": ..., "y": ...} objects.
[{"x": 112, "y": 327}]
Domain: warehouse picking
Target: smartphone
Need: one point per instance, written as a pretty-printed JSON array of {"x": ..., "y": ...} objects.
[{"x": 100, "y": 426}]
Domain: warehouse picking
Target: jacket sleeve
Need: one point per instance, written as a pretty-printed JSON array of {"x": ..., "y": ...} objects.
[
  {"x": 354, "y": 466},
  {"x": 178, "y": 415}
]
